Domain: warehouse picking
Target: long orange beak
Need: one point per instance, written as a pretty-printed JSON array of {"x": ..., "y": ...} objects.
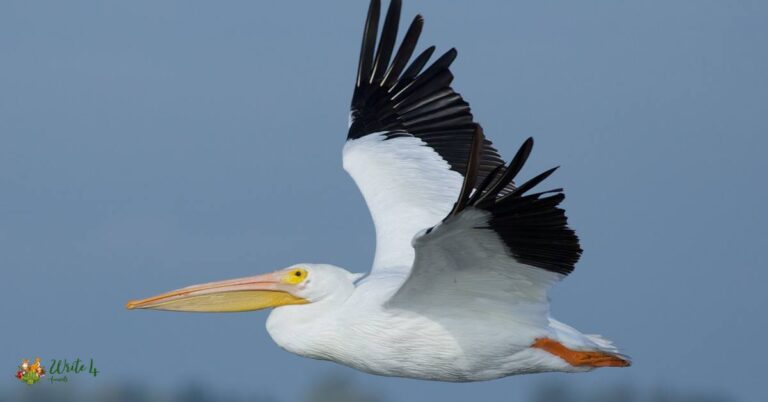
[{"x": 244, "y": 294}]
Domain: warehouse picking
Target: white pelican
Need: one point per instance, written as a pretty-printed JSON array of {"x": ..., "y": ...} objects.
[{"x": 464, "y": 258}]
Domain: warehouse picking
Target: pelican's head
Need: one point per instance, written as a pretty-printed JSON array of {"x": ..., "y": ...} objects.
[{"x": 298, "y": 284}]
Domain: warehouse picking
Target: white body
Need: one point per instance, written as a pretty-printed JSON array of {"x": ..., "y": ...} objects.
[{"x": 361, "y": 333}]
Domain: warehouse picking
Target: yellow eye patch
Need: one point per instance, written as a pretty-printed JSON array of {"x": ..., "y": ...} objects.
[{"x": 294, "y": 276}]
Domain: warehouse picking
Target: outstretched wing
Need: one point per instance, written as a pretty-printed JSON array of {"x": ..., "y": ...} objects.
[
  {"x": 493, "y": 250},
  {"x": 409, "y": 137}
]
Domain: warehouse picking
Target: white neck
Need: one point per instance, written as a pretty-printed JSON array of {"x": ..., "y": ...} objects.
[{"x": 307, "y": 329}]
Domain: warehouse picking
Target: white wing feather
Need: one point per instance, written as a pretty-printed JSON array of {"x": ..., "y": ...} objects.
[
  {"x": 462, "y": 266},
  {"x": 407, "y": 186}
]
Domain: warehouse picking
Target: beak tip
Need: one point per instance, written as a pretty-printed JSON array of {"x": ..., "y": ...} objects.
[{"x": 132, "y": 304}]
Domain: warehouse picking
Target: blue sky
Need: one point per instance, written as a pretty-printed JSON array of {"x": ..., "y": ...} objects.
[{"x": 148, "y": 145}]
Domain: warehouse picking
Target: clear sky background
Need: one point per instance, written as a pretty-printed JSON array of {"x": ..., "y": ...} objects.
[{"x": 148, "y": 145}]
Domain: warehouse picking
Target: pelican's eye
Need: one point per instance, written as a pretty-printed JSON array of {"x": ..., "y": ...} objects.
[{"x": 296, "y": 275}]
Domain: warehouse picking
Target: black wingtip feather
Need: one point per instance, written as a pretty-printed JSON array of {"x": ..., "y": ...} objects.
[
  {"x": 470, "y": 177},
  {"x": 532, "y": 182},
  {"x": 492, "y": 177},
  {"x": 387, "y": 42},
  {"x": 404, "y": 53},
  {"x": 532, "y": 226},
  {"x": 417, "y": 64},
  {"x": 366, "y": 51},
  {"x": 510, "y": 172}
]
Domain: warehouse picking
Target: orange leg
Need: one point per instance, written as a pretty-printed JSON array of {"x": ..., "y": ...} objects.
[{"x": 578, "y": 357}]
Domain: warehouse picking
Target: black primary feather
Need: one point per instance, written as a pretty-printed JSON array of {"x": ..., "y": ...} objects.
[
  {"x": 399, "y": 99},
  {"x": 533, "y": 228},
  {"x": 472, "y": 170}
]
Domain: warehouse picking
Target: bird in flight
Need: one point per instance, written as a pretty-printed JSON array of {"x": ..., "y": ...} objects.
[{"x": 465, "y": 253}]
